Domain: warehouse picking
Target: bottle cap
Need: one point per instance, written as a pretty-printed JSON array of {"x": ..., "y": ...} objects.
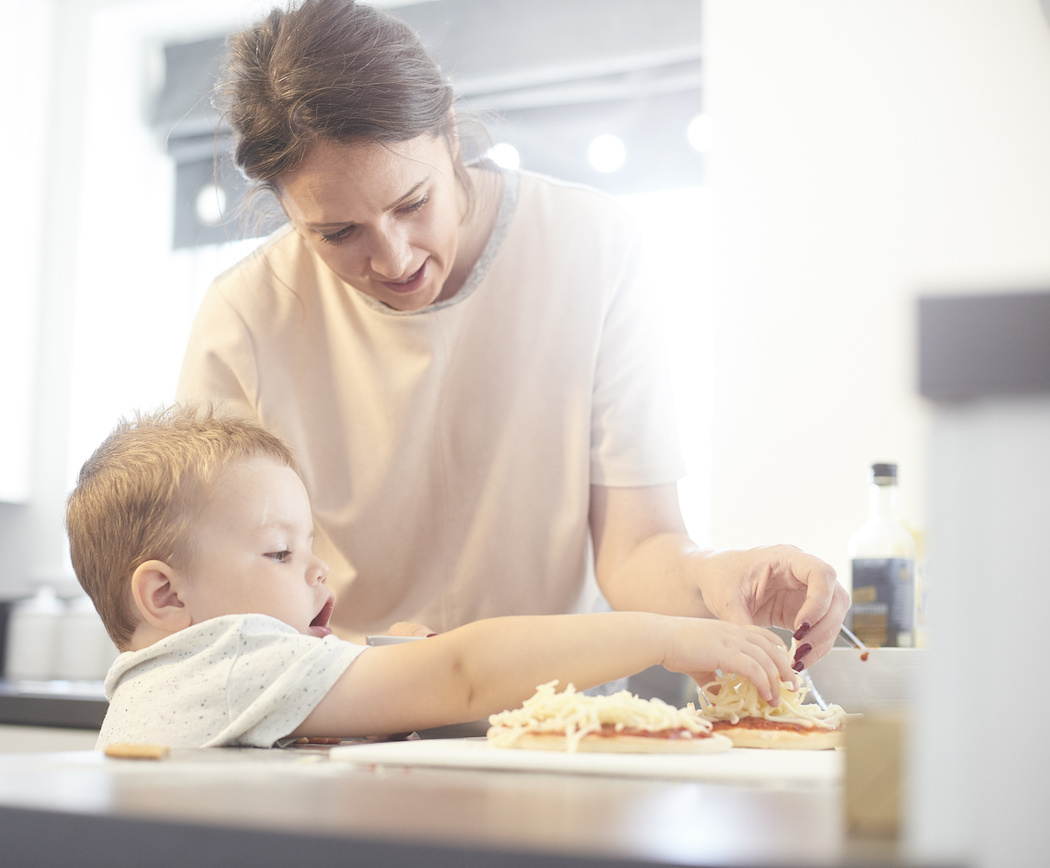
[{"x": 884, "y": 472}]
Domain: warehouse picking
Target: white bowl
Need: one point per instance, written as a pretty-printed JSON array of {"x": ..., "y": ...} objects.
[{"x": 888, "y": 679}]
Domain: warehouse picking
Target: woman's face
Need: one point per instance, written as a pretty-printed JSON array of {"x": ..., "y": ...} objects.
[{"x": 384, "y": 218}]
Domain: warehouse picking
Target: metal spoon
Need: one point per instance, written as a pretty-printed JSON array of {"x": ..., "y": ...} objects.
[
  {"x": 851, "y": 637},
  {"x": 808, "y": 682}
]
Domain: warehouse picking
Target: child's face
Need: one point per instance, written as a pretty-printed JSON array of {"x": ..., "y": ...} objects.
[{"x": 252, "y": 551}]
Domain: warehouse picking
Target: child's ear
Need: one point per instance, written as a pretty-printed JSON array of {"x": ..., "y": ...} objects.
[{"x": 155, "y": 589}]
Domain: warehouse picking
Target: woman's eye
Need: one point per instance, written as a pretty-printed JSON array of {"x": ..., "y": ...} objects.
[
  {"x": 341, "y": 235},
  {"x": 415, "y": 206},
  {"x": 280, "y": 557}
]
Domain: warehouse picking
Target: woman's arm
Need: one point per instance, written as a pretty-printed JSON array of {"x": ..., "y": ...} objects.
[
  {"x": 642, "y": 551},
  {"x": 496, "y": 664},
  {"x": 645, "y": 560}
]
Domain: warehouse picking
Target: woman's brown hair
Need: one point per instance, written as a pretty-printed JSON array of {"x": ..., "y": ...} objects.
[{"x": 332, "y": 70}]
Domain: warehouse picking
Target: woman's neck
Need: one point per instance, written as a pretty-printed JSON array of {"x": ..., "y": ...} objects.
[{"x": 479, "y": 217}]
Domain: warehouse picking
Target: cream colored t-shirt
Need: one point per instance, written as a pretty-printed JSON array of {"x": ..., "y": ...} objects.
[{"x": 449, "y": 452}]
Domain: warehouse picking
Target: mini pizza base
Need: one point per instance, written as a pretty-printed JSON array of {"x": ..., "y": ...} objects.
[
  {"x": 621, "y": 743},
  {"x": 792, "y": 738}
]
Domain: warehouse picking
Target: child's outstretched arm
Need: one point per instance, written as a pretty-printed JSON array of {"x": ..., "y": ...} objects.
[{"x": 495, "y": 664}]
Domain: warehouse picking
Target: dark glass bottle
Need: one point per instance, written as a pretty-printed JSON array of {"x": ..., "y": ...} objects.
[{"x": 882, "y": 556}]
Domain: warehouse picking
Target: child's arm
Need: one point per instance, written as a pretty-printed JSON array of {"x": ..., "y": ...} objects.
[{"x": 496, "y": 664}]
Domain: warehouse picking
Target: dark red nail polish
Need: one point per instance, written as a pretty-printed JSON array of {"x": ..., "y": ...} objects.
[
  {"x": 430, "y": 634},
  {"x": 802, "y": 651},
  {"x": 802, "y": 630},
  {"x": 799, "y": 666}
]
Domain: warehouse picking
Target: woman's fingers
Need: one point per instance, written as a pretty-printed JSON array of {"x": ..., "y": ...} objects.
[{"x": 823, "y": 633}]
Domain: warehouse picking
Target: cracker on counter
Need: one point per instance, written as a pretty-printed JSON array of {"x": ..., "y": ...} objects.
[{"x": 125, "y": 750}]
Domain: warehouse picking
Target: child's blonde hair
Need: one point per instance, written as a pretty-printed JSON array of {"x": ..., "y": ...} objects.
[{"x": 137, "y": 495}]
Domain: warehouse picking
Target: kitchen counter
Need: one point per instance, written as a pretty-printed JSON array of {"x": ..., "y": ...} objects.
[
  {"x": 68, "y": 704},
  {"x": 275, "y": 807}
]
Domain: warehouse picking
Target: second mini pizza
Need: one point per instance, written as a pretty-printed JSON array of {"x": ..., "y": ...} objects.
[{"x": 735, "y": 710}]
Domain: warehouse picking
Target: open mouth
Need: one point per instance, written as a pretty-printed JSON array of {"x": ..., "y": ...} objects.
[
  {"x": 411, "y": 283},
  {"x": 319, "y": 625}
]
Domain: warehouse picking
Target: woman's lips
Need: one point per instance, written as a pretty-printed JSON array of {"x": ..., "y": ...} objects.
[
  {"x": 411, "y": 284},
  {"x": 319, "y": 625}
]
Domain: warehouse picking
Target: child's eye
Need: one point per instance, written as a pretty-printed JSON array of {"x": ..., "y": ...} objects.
[{"x": 280, "y": 556}]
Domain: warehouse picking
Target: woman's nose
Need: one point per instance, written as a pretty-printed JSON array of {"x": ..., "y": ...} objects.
[{"x": 390, "y": 256}]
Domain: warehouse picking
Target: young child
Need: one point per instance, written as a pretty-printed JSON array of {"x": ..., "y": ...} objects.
[{"x": 192, "y": 533}]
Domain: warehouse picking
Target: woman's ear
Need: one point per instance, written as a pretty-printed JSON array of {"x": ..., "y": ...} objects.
[{"x": 155, "y": 588}]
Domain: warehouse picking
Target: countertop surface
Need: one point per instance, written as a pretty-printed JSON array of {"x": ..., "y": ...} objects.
[
  {"x": 70, "y": 704},
  {"x": 273, "y": 807}
]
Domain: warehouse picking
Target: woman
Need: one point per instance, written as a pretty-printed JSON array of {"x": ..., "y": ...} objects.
[{"x": 459, "y": 357}]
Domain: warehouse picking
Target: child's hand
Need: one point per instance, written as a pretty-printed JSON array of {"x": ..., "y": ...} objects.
[{"x": 699, "y": 646}]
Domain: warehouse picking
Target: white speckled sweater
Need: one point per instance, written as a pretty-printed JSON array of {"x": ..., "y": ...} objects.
[{"x": 244, "y": 680}]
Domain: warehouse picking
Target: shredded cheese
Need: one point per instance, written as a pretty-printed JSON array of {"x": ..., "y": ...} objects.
[
  {"x": 576, "y": 715},
  {"x": 733, "y": 697}
]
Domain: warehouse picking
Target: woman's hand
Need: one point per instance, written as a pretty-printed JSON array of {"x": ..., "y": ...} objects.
[
  {"x": 780, "y": 586},
  {"x": 645, "y": 561}
]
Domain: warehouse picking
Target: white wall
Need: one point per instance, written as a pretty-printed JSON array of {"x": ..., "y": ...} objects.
[
  {"x": 99, "y": 307},
  {"x": 24, "y": 57},
  {"x": 864, "y": 152},
  {"x": 112, "y": 303}
]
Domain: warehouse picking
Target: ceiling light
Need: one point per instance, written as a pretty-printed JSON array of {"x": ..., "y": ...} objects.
[
  {"x": 607, "y": 152},
  {"x": 210, "y": 204},
  {"x": 505, "y": 155},
  {"x": 700, "y": 133}
]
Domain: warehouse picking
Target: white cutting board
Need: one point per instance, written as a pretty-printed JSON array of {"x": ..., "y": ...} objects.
[{"x": 738, "y": 765}]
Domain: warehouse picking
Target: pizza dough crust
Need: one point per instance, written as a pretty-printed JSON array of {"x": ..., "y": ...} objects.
[
  {"x": 714, "y": 743},
  {"x": 781, "y": 739}
]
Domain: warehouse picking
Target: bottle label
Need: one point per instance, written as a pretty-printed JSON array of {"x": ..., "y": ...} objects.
[{"x": 883, "y": 602}]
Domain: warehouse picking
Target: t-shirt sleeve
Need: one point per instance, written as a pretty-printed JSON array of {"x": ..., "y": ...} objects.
[
  {"x": 276, "y": 680},
  {"x": 634, "y": 427},
  {"x": 219, "y": 364}
]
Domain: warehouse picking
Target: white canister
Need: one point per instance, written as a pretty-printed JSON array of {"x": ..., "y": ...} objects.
[
  {"x": 85, "y": 650},
  {"x": 33, "y": 637}
]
